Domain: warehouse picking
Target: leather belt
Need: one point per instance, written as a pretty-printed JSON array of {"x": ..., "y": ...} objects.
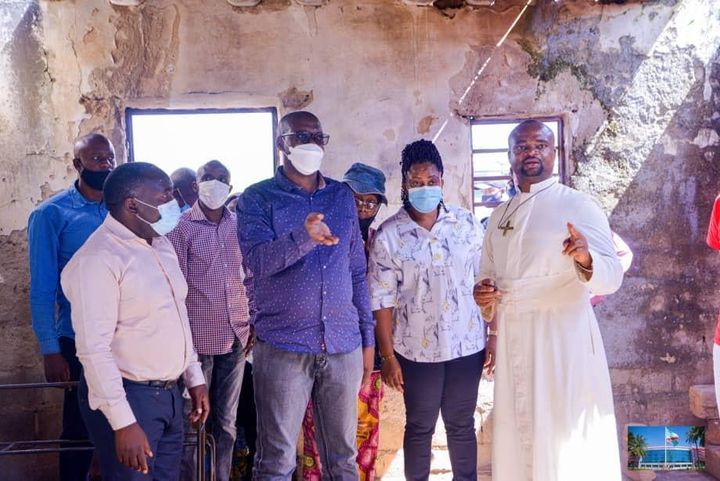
[{"x": 161, "y": 384}]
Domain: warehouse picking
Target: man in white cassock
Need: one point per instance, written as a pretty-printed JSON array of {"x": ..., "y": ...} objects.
[{"x": 545, "y": 251}]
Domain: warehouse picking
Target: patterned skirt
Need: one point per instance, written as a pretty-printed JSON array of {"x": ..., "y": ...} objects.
[{"x": 368, "y": 433}]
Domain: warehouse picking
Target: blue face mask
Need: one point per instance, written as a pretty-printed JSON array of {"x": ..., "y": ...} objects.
[
  {"x": 185, "y": 208},
  {"x": 169, "y": 216},
  {"x": 425, "y": 199}
]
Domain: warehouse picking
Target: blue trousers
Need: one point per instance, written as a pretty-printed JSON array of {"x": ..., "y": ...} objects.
[
  {"x": 284, "y": 382},
  {"x": 159, "y": 412}
]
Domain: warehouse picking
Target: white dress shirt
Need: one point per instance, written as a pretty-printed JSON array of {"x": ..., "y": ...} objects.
[{"x": 129, "y": 316}]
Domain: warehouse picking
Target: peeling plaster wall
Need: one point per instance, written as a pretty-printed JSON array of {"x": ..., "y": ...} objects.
[
  {"x": 30, "y": 169},
  {"x": 638, "y": 87}
]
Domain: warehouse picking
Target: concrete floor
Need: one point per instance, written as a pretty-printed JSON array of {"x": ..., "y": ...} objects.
[
  {"x": 392, "y": 469},
  {"x": 392, "y": 459}
]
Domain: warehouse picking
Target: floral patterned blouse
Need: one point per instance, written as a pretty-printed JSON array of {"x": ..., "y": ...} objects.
[{"x": 428, "y": 278}]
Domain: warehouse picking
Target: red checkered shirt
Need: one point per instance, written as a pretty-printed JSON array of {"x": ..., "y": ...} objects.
[{"x": 210, "y": 259}]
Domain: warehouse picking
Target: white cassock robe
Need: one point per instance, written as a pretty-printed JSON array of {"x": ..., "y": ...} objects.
[{"x": 553, "y": 410}]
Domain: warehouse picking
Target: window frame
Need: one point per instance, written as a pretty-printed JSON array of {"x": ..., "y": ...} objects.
[
  {"x": 130, "y": 111},
  {"x": 563, "y": 165}
]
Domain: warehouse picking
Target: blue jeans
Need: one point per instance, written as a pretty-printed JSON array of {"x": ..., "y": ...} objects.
[
  {"x": 284, "y": 382},
  {"x": 223, "y": 376},
  {"x": 159, "y": 413}
]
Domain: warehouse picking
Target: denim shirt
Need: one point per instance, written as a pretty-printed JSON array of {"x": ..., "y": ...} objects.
[
  {"x": 56, "y": 230},
  {"x": 307, "y": 298}
]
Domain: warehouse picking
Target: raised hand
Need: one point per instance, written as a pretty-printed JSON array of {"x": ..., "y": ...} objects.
[
  {"x": 318, "y": 230},
  {"x": 576, "y": 246}
]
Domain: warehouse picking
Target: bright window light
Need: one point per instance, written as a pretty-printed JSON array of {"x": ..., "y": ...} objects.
[
  {"x": 491, "y": 168},
  {"x": 243, "y": 140}
]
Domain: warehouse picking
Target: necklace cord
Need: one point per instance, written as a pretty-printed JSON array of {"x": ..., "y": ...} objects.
[{"x": 502, "y": 217}]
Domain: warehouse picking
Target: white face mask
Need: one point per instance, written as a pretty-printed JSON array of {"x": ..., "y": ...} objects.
[
  {"x": 306, "y": 158},
  {"x": 213, "y": 193},
  {"x": 169, "y": 216}
]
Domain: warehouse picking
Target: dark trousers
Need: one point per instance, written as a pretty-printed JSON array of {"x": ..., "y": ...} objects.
[
  {"x": 159, "y": 412},
  {"x": 449, "y": 388},
  {"x": 74, "y": 465},
  {"x": 247, "y": 426},
  {"x": 224, "y": 378}
]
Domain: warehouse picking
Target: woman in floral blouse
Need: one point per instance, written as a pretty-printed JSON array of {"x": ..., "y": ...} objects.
[{"x": 424, "y": 263}]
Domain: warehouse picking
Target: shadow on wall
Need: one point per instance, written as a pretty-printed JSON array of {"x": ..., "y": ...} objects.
[
  {"x": 25, "y": 415},
  {"x": 581, "y": 44},
  {"x": 658, "y": 328}
]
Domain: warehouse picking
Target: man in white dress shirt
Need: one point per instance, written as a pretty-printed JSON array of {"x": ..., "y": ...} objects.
[
  {"x": 132, "y": 332},
  {"x": 544, "y": 251}
]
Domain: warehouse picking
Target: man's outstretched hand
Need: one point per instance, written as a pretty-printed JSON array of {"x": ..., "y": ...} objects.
[
  {"x": 319, "y": 230},
  {"x": 576, "y": 246}
]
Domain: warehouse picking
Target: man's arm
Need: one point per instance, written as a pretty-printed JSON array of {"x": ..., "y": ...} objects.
[
  {"x": 606, "y": 273},
  {"x": 94, "y": 292},
  {"x": 43, "y": 253},
  {"x": 361, "y": 294},
  {"x": 249, "y": 294},
  {"x": 263, "y": 252},
  {"x": 194, "y": 380},
  {"x": 178, "y": 239}
]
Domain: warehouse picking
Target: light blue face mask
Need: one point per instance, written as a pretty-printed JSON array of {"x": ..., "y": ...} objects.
[
  {"x": 425, "y": 199},
  {"x": 169, "y": 216},
  {"x": 185, "y": 208}
]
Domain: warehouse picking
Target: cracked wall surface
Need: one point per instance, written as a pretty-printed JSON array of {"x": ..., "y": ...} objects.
[
  {"x": 642, "y": 111},
  {"x": 638, "y": 86}
]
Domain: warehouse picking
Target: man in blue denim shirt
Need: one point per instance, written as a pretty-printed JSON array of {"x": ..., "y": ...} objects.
[
  {"x": 56, "y": 229},
  {"x": 300, "y": 237}
]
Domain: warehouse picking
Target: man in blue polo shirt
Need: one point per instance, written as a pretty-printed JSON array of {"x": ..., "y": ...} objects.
[
  {"x": 300, "y": 237},
  {"x": 56, "y": 229}
]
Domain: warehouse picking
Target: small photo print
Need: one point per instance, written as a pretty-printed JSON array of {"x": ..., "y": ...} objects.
[{"x": 666, "y": 448}]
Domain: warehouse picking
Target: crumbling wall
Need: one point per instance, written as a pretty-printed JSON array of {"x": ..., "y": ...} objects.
[
  {"x": 30, "y": 170},
  {"x": 636, "y": 84}
]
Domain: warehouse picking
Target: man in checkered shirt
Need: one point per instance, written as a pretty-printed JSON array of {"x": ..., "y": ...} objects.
[{"x": 209, "y": 254}]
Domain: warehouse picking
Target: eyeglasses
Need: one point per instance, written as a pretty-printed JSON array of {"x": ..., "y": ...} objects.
[
  {"x": 307, "y": 137},
  {"x": 369, "y": 205}
]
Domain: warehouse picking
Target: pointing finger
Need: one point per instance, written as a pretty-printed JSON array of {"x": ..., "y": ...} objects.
[{"x": 573, "y": 232}]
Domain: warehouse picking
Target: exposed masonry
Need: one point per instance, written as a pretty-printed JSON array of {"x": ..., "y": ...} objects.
[{"x": 638, "y": 86}]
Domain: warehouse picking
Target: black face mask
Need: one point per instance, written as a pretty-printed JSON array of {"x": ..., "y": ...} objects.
[
  {"x": 365, "y": 227},
  {"x": 94, "y": 180}
]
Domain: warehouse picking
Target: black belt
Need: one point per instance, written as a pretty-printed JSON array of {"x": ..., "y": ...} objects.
[{"x": 161, "y": 384}]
